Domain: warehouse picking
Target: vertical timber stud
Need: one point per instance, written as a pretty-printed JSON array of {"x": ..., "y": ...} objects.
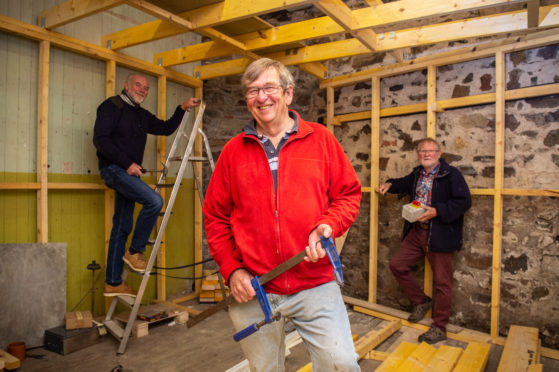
[
  {"x": 42, "y": 142},
  {"x": 198, "y": 251},
  {"x": 110, "y": 89},
  {"x": 330, "y": 109},
  {"x": 431, "y": 132},
  {"x": 374, "y": 199},
  {"x": 161, "y": 158},
  {"x": 498, "y": 199}
]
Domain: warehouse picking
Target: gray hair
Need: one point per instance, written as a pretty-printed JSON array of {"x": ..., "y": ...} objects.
[
  {"x": 428, "y": 140},
  {"x": 256, "y": 68}
]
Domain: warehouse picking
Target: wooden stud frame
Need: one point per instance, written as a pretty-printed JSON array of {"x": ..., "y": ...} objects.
[
  {"x": 431, "y": 107},
  {"x": 47, "y": 39}
]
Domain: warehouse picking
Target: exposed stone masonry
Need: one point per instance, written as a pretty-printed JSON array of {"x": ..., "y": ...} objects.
[{"x": 530, "y": 244}]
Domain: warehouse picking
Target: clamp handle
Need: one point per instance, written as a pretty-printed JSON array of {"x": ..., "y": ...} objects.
[
  {"x": 330, "y": 248},
  {"x": 262, "y": 299},
  {"x": 264, "y": 305},
  {"x": 245, "y": 332}
]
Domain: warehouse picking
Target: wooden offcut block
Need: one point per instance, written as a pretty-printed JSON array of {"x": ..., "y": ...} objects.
[
  {"x": 444, "y": 359},
  {"x": 78, "y": 319},
  {"x": 522, "y": 349},
  {"x": 397, "y": 357},
  {"x": 8, "y": 360},
  {"x": 474, "y": 358}
]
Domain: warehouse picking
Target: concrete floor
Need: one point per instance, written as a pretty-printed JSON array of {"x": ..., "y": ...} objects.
[{"x": 207, "y": 347}]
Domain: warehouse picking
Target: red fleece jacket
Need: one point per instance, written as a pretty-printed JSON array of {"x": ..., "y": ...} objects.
[{"x": 249, "y": 226}]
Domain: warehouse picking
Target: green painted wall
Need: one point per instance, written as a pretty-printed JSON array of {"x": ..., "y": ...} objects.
[{"x": 76, "y": 217}]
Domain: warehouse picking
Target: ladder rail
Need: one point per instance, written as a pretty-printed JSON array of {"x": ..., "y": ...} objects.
[
  {"x": 180, "y": 133},
  {"x": 162, "y": 227}
]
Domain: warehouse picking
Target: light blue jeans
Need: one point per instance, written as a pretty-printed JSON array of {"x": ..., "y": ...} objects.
[{"x": 320, "y": 317}]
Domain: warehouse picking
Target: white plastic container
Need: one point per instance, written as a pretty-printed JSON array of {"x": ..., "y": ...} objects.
[{"x": 412, "y": 211}]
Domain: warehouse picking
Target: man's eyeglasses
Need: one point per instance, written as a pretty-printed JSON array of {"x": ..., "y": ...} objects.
[
  {"x": 424, "y": 152},
  {"x": 268, "y": 90}
]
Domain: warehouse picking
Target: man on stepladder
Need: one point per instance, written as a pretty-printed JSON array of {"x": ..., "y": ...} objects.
[
  {"x": 277, "y": 188},
  {"x": 120, "y": 135},
  {"x": 442, "y": 192}
]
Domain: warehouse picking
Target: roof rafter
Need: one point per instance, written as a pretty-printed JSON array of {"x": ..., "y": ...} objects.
[
  {"x": 324, "y": 26},
  {"x": 342, "y": 15},
  {"x": 474, "y": 27},
  {"x": 185, "y": 25},
  {"x": 73, "y": 10},
  {"x": 207, "y": 16},
  {"x": 533, "y": 7}
]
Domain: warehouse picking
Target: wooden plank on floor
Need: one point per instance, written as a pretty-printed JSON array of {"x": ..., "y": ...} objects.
[
  {"x": 374, "y": 338},
  {"x": 396, "y": 358},
  {"x": 474, "y": 358},
  {"x": 418, "y": 360},
  {"x": 445, "y": 359},
  {"x": 521, "y": 349}
]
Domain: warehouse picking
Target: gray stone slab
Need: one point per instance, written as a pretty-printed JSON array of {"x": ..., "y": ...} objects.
[{"x": 32, "y": 291}]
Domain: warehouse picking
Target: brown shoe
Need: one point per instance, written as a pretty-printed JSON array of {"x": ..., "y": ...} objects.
[
  {"x": 420, "y": 310},
  {"x": 433, "y": 335},
  {"x": 118, "y": 290},
  {"x": 136, "y": 261}
]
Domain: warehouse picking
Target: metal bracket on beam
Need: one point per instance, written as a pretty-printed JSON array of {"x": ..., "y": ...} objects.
[
  {"x": 197, "y": 74},
  {"x": 42, "y": 22},
  {"x": 109, "y": 44},
  {"x": 159, "y": 61},
  {"x": 392, "y": 35},
  {"x": 381, "y": 36}
]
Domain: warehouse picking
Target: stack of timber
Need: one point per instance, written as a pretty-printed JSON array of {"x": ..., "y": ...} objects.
[
  {"x": 153, "y": 314},
  {"x": 522, "y": 351},
  {"x": 210, "y": 292},
  {"x": 410, "y": 356}
]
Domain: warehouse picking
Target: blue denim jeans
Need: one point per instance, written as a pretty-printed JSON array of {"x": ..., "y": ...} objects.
[
  {"x": 320, "y": 317},
  {"x": 129, "y": 190}
]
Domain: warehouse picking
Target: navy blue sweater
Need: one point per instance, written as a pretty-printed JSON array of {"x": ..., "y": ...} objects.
[
  {"x": 121, "y": 130},
  {"x": 450, "y": 197}
]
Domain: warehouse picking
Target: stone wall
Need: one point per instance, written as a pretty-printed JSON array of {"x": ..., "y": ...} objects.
[{"x": 530, "y": 258}]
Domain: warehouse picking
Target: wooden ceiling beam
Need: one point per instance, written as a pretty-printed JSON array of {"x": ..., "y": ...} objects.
[
  {"x": 317, "y": 28},
  {"x": 59, "y": 40},
  {"x": 73, "y": 10},
  {"x": 533, "y": 7},
  {"x": 316, "y": 69},
  {"x": 207, "y": 16},
  {"x": 475, "y": 27},
  {"x": 185, "y": 25},
  {"x": 342, "y": 15}
]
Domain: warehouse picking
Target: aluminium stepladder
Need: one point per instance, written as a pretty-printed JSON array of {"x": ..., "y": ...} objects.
[{"x": 113, "y": 326}]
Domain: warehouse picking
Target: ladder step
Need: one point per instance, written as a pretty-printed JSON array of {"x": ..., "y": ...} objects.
[
  {"x": 161, "y": 214},
  {"x": 165, "y": 185},
  {"x": 127, "y": 300},
  {"x": 191, "y": 158},
  {"x": 115, "y": 329}
]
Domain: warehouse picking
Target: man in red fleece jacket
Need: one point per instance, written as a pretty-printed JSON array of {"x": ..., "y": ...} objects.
[{"x": 277, "y": 188}]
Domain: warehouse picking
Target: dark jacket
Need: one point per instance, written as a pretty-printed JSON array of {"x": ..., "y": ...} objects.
[
  {"x": 121, "y": 130},
  {"x": 450, "y": 197}
]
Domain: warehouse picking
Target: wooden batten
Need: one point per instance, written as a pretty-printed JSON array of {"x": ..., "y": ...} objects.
[
  {"x": 500, "y": 82},
  {"x": 198, "y": 197},
  {"x": 43, "y": 141},
  {"x": 374, "y": 183},
  {"x": 161, "y": 158}
]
